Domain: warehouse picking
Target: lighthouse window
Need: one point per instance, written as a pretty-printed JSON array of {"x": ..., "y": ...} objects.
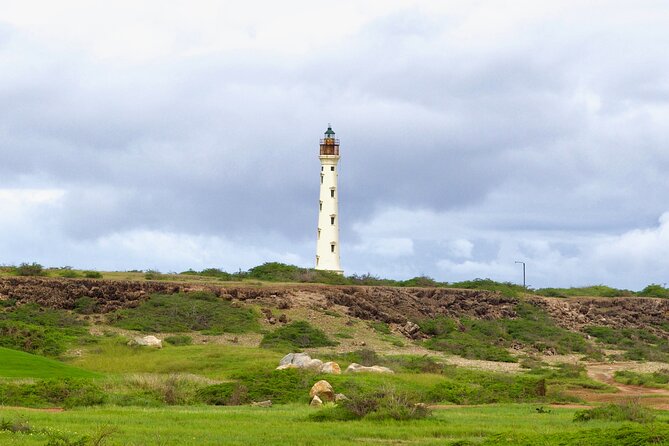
[
  {"x": 332, "y": 248},
  {"x": 332, "y": 220},
  {"x": 320, "y": 205},
  {"x": 321, "y": 168},
  {"x": 319, "y": 233},
  {"x": 332, "y": 193},
  {"x": 332, "y": 168},
  {"x": 321, "y": 178}
]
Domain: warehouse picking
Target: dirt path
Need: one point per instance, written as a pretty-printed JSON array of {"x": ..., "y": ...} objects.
[{"x": 603, "y": 372}]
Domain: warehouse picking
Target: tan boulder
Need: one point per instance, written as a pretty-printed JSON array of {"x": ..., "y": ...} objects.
[
  {"x": 316, "y": 402},
  {"x": 357, "y": 368},
  {"x": 323, "y": 390},
  {"x": 331, "y": 367}
]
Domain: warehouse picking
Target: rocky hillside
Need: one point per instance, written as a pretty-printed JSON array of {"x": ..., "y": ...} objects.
[{"x": 391, "y": 305}]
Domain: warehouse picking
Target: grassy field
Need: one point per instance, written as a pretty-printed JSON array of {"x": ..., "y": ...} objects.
[
  {"x": 17, "y": 364},
  {"x": 291, "y": 425}
]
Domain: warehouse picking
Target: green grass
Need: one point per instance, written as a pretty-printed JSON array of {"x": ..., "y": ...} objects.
[
  {"x": 659, "y": 379},
  {"x": 212, "y": 361},
  {"x": 290, "y": 425},
  {"x": 187, "y": 312},
  {"x": 46, "y": 331},
  {"x": 296, "y": 335},
  {"x": 639, "y": 344},
  {"x": 17, "y": 364},
  {"x": 589, "y": 291}
]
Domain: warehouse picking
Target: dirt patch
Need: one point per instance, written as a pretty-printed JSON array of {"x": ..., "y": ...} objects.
[{"x": 604, "y": 372}]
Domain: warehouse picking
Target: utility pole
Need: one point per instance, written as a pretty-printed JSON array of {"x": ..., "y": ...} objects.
[{"x": 517, "y": 261}]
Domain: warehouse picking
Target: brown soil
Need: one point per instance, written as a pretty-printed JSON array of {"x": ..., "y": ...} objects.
[{"x": 603, "y": 372}]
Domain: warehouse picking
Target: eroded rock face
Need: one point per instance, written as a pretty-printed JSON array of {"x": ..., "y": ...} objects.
[
  {"x": 323, "y": 390},
  {"x": 357, "y": 368},
  {"x": 396, "y": 306}
]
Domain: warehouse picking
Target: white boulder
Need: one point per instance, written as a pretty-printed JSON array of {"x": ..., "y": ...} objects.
[
  {"x": 148, "y": 341},
  {"x": 357, "y": 368}
]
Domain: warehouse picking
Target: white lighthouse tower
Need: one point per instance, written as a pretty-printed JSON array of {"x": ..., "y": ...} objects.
[{"x": 327, "y": 245}]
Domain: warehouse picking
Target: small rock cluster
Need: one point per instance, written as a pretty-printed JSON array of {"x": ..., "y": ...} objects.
[
  {"x": 304, "y": 361},
  {"x": 322, "y": 392}
]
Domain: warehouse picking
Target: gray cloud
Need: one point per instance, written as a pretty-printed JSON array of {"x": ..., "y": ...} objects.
[{"x": 557, "y": 127}]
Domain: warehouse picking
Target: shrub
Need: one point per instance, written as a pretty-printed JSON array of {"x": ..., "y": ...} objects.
[
  {"x": 215, "y": 272},
  {"x": 655, "y": 290},
  {"x": 152, "y": 274},
  {"x": 69, "y": 274},
  {"x": 380, "y": 327},
  {"x": 386, "y": 403},
  {"x": 179, "y": 340},
  {"x": 296, "y": 335},
  {"x": 92, "y": 274},
  {"x": 68, "y": 392},
  {"x": 187, "y": 312},
  {"x": 85, "y": 305},
  {"x": 626, "y": 411},
  {"x": 30, "y": 269}
]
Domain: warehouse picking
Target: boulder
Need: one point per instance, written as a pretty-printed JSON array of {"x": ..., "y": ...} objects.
[
  {"x": 339, "y": 397},
  {"x": 331, "y": 367},
  {"x": 299, "y": 361},
  {"x": 410, "y": 330},
  {"x": 316, "y": 402},
  {"x": 149, "y": 341},
  {"x": 357, "y": 368},
  {"x": 323, "y": 390}
]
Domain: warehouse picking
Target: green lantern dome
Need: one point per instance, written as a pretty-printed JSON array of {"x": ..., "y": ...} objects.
[{"x": 329, "y": 133}]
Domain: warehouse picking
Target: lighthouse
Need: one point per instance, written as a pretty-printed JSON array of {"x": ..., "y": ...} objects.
[{"x": 327, "y": 245}]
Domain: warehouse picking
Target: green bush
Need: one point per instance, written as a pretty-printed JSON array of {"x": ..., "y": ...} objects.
[
  {"x": 384, "y": 404},
  {"x": 92, "y": 274},
  {"x": 179, "y": 340},
  {"x": 41, "y": 331},
  {"x": 296, "y": 335},
  {"x": 380, "y": 327},
  {"x": 594, "y": 290},
  {"x": 153, "y": 275},
  {"x": 86, "y": 305},
  {"x": 505, "y": 288},
  {"x": 627, "y": 411},
  {"x": 187, "y": 312},
  {"x": 655, "y": 290},
  {"x": 67, "y": 392},
  {"x": 69, "y": 274},
  {"x": 279, "y": 386},
  {"x": 30, "y": 269},
  {"x": 656, "y": 379}
]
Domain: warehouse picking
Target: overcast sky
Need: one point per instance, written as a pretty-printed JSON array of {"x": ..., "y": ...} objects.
[{"x": 178, "y": 134}]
